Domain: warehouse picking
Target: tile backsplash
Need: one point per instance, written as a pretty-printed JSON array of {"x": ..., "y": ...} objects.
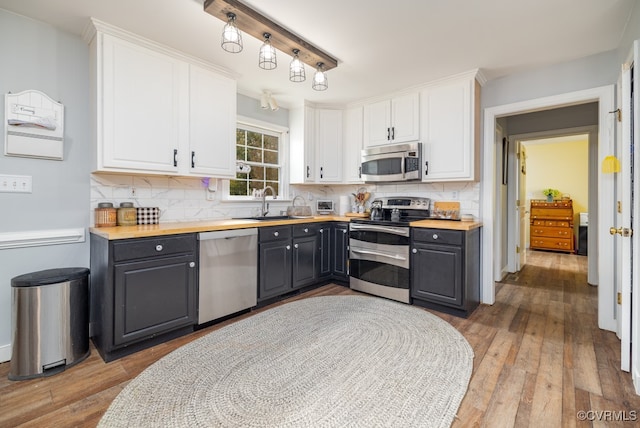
[{"x": 188, "y": 199}]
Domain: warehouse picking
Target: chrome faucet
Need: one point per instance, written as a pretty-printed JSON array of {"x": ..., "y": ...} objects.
[{"x": 264, "y": 197}]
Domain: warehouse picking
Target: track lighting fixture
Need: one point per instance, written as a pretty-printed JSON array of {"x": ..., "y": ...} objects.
[
  {"x": 238, "y": 14},
  {"x": 231, "y": 37}
]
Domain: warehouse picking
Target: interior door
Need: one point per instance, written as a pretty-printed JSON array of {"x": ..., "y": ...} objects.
[
  {"x": 522, "y": 208},
  {"x": 622, "y": 230}
]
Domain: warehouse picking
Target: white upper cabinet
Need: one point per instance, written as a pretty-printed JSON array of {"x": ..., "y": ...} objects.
[
  {"x": 138, "y": 120},
  {"x": 315, "y": 145},
  {"x": 329, "y": 146},
  {"x": 212, "y": 123},
  {"x": 394, "y": 120},
  {"x": 449, "y": 129},
  {"x": 352, "y": 144},
  {"x": 156, "y": 112},
  {"x": 302, "y": 138}
]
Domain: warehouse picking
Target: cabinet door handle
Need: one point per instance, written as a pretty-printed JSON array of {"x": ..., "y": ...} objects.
[
  {"x": 426, "y": 168},
  {"x": 321, "y": 172},
  {"x": 388, "y": 134},
  {"x": 159, "y": 247},
  {"x": 295, "y": 245},
  {"x": 414, "y": 251},
  {"x": 308, "y": 171},
  {"x": 276, "y": 233},
  {"x": 393, "y": 132},
  {"x": 192, "y": 264},
  {"x": 359, "y": 172},
  {"x": 193, "y": 159},
  {"x": 288, "y": 247},
  {"x": 175, "y": 157}
]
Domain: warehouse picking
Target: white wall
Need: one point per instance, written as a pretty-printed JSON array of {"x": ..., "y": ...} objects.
[{"x": 36, "y": 56}]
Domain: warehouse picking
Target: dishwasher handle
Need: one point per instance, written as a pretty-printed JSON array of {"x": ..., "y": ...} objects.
[{"x": 226, "y": 234}]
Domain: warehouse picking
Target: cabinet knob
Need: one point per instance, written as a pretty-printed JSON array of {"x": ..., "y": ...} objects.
[
  {"x": 306, "y": 230},
  {"x": 295, "y": 245},
  {"x": 435, "y": 236},
  {"x": 192, "y": 264},
  {"x": 321, "y": 230},
  {"x": 344, "y": 231},
  {"x": 288, "y": 247},
  {"x": 276, "y": 233},
  {"x": 159, "y": 247},
  {"x": 414, "y": 251}
]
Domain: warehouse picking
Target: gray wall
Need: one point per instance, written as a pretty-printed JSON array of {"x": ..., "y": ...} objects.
[
  {"x": 250, "y": 107},
  {"x": 36, "y": 56}
]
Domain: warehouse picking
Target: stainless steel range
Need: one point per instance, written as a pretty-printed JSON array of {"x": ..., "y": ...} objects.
[{"x": 379, "y": 247}]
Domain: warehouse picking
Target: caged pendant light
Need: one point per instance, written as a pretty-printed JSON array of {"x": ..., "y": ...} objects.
[
  {"x": 296, "y": 68},
  {"x": 267, "y": 56},
  {"x": 320, "y": 82},
  {"x": 231, "y": 37}
]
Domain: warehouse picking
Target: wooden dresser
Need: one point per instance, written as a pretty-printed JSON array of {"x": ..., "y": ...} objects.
[{"x": 552, "y": 225}]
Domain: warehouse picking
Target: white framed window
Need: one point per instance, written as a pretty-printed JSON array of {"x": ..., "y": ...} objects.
[{"x": 261, "y": 150}]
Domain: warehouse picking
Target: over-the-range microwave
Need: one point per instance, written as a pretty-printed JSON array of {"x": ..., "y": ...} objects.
[{"x": 393, "y": 162}]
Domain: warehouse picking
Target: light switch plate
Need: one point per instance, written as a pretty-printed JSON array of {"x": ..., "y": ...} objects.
[{"x": 15, "y": 183}]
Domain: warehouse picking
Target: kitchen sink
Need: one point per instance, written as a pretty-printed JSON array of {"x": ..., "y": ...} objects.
[
  {"x": 263, "y": 218},
  {"x": 273, "y": 217}
]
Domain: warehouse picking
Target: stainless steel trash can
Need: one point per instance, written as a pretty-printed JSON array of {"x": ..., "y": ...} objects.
[{"x": 50, "y": 315}]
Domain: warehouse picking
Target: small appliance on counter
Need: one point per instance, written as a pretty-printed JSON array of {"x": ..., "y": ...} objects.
[{"x": 324, "y": 207}]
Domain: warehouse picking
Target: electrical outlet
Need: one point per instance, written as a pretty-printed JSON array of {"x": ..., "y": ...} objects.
[
  {"x": 133, "y": 193},
  {"x": 15, "y": 183},
  {"x": 454, "y": 195}
]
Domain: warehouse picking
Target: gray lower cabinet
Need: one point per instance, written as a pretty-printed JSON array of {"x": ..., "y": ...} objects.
[
  {"x": 445, "y": 269},
  {"x": 289, "y": 258},
  {"x": 143, "y": 292},
  {"x": 340, "y": 251}
]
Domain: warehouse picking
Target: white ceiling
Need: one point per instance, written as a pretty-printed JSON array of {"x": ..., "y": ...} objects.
[{"x": 381, "y": 46}]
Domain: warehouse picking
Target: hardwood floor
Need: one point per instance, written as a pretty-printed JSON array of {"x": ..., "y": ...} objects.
[{"x": 539, "y": 360}]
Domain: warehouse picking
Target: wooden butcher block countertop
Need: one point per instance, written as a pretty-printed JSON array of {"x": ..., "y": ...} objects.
[{"x": 175, "y": 228}]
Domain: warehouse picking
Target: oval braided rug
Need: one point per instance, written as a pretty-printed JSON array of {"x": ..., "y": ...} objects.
[{"x": 331, "y": 361}]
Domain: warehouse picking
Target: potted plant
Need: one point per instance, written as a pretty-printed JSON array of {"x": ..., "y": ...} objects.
[{"x": 551, "y": 194}]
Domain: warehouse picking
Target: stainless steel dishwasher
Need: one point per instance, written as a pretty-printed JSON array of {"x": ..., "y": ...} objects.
[{"x": 228, "y": 277}]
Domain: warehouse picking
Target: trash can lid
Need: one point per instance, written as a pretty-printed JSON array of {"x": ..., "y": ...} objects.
[{"x": 49, "y": 276}]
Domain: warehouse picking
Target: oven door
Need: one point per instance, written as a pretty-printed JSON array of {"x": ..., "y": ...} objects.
[{"x": 379, "y": 260}]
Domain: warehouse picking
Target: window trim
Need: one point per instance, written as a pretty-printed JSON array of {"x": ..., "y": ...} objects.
[{"x": 283, "y": 157}]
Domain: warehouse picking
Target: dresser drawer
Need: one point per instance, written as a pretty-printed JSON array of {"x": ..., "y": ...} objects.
[
  {"x": 552, "y": 213},
  {"x": 552, "y": 232},
  {"x": 554, "y": 204},
  {"x": 550, "y": 223},
  {"x": 140, "y": 248},
  {"x": 558, "y": 244}
]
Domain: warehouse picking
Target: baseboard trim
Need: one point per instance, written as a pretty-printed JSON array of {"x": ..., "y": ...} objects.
[{"x": 5, "y": 353}]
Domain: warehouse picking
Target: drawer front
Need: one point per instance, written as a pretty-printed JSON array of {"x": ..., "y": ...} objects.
[
  {"x": 554, "y": 204},
  {"x": 550, "y": 223},
  {"x": 274, "y": 233},
  {"x": 551, "y": 243},
  {"x": 552, "y": 232},
  {"x": 555, "y": 214},
  {"x": 300, "y": 230},
  {"x": 439, "y": 236},
  {"x": 140, "y": 248}
]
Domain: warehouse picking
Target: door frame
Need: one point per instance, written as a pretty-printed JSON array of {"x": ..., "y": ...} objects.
[
  {"x": 605, "y": 96},
  {"x": 591, "y": 131}
]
